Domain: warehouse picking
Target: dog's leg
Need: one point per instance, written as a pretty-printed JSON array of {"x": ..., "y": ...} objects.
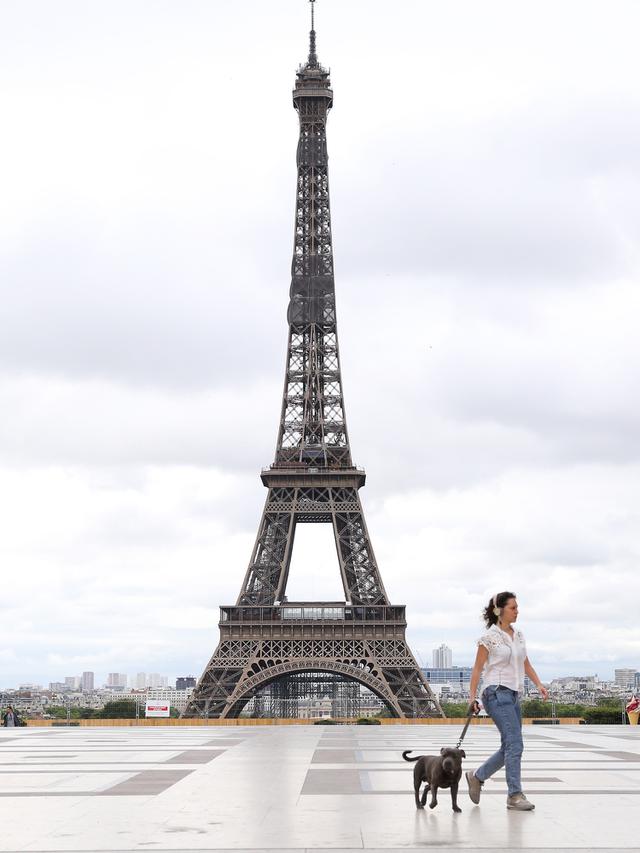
[
  {"x": 434, "y": 797},
  {"x": 424, "y": 795},
  {"x": 417, "y": 781},
  {"x": 454, "y": 797}
]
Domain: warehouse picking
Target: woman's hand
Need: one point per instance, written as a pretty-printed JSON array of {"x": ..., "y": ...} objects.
[
  {"x": 530, "y": 671},
  {"x": 473, "y": 709}
]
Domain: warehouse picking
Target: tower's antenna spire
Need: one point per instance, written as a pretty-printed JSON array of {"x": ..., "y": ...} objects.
[{"x": 313, "y": 57}]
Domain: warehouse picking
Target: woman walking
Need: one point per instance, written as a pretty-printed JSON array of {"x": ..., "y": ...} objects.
[{"x": 502, "y": 654}]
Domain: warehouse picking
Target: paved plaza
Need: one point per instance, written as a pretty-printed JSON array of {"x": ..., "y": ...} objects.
[{"x": 306, "y": 788}]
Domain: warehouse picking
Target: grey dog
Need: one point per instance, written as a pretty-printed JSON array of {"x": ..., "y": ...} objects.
[{"x": 438, "y": 771}]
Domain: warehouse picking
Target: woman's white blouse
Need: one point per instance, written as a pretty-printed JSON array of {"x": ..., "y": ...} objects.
[{"x": 505, "y": 665}]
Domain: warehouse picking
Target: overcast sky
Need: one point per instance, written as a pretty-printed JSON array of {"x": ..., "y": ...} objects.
[{"x": 485, "y": 190}]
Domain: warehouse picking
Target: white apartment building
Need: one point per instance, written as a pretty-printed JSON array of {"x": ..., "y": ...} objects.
[
  {"x": 176, "y": 698},
  {"x": 576, "y": 682}
]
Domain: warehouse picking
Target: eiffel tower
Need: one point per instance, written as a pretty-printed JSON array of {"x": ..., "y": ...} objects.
[{"x": 263, "y": 637}]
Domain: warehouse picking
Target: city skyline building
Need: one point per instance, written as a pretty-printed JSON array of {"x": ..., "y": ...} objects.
[
  {"x": 177, "y": 699},
  {"x": 458, "y": 677},
  {"x": 87, "y": 682},
  {"x": 442, "y": 657},
  {"x": 625, "y": 677}
]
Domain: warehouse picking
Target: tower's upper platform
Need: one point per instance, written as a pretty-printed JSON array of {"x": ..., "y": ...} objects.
[{"x": 312, "y": 79}]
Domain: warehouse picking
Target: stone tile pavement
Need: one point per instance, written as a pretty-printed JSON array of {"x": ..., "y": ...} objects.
[{"x": 307, "y": 788}]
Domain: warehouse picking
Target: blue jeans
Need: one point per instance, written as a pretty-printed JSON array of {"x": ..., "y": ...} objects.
[{"x": 503, "y": 706}]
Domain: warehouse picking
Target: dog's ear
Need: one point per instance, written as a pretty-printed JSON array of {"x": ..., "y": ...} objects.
[
  {"x": 443, "y": 750},
  {"x": 463, "y": 753}
]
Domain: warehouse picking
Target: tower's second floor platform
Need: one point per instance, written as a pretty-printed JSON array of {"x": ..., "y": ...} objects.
[{"x": 310, "y": 619}]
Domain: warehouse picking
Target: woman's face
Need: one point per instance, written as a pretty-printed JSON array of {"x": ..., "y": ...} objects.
[{"x": 510, "y": 610}]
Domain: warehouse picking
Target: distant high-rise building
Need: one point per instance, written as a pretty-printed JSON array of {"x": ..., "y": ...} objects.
[
  {"x": 117, "y": 680},
  {"x": 625, "y": 678},
  {"x": 442, "y": 657},
  {"x": 184, "y": 682},
  {"x": 56, "y": 686},
  {"x": 141, "y": 680},
  {"x": 72, "y": 682},
  {"x": 87, "y": 682}
]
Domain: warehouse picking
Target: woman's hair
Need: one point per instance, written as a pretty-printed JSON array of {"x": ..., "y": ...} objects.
[{"x": 498, "y": 600}]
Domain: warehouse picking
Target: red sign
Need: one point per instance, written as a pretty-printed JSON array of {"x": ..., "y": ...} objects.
[{"x": 157, "y": 709}]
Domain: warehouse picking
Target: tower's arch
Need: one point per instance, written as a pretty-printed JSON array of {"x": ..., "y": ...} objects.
[{"x": 360, "y": 672}]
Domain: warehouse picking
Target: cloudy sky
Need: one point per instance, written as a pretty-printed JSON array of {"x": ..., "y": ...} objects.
[{"x": 485, "y": 183}]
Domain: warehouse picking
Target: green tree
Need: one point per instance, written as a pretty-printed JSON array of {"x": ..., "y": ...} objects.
[
  {"x": 570, "y": 710},
  {"x": 58, "y": 712},
  {"x": 603, "y": 714},
  {"x": 535, "y": 708},
  {"x": 607, "y": 702},
  {"x": 86, "y": 713},
  {"x": 455, "y": 709},
  {"x": 119, "y": 709}
]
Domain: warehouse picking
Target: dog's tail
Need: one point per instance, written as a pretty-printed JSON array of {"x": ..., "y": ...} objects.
[{"x": 406, "y": 753}]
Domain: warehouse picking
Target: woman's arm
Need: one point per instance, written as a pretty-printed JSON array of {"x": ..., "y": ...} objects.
[
  {"x": 482, "y": 656},
  {"x": 533, "y": 675}
]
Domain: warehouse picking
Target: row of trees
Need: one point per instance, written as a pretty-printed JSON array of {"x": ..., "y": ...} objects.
[
  {"x": 119, "y": 709},
  {"x": 606, "y": 710}
]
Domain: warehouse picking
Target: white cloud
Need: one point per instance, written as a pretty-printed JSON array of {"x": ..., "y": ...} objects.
[
  {"x": 484, "y": 177},
  {"x": 547, "y": 536}
]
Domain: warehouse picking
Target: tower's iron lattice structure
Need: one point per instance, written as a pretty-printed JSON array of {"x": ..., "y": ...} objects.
[
  {"x": 263, "y": 637},
  {"x": 310, "y": 695}
]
